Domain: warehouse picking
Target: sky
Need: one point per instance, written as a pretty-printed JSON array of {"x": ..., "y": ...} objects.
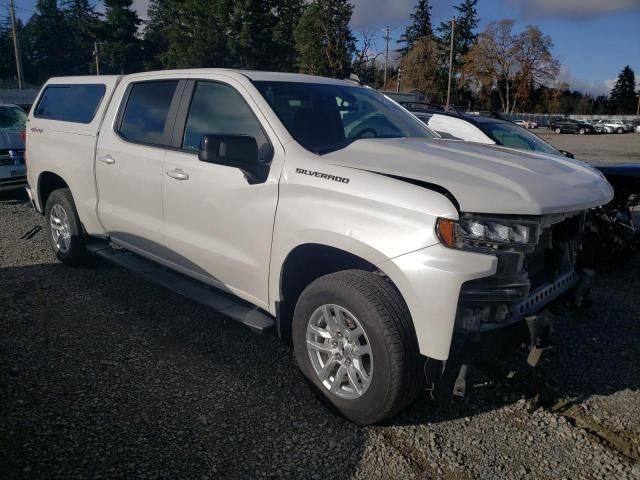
[{"x": 593, "y": 39}]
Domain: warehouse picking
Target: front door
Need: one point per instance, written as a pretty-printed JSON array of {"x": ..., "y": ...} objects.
[{"x": 218, "y": 222}]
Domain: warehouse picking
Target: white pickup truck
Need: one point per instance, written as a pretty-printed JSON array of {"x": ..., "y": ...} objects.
[{"x": 311, "y": 205}]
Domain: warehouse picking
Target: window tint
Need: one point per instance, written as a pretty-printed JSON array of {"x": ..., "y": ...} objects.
[
  {"x": 145, "y": 115},
  {"x": 12, "y": 118},
  {"x": 325, "y": 117},
  {"x": 70, "y": 103},
  {"x": 219, "y": 109}
]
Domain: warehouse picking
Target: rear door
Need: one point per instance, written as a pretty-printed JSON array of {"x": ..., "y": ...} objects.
[
  {"x": 219, "y": 222},
  {"x": 130, "y": 158}
]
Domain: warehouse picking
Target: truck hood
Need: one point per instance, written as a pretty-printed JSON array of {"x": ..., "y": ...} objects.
[
  {"x": 11, "y": 139},
  {"x": 483, "y": 178}
]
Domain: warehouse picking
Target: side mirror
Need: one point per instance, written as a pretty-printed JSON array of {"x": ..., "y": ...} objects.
[
  {"x": 240, "y": 151},
  {"x": 567, "y": 154}
]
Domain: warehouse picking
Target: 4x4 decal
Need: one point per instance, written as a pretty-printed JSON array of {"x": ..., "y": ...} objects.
[{"x": 326, "y": 176}]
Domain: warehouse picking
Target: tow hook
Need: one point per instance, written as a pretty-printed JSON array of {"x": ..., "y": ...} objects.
[{"x": 541, "y": 330}]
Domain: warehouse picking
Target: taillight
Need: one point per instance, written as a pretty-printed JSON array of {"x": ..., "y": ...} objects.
[{"x": 23, "y": 136}]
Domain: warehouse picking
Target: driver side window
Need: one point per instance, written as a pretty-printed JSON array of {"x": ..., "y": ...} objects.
[{"x": 219, "y": 109}]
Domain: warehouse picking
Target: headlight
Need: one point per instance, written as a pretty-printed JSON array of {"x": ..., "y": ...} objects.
[{"x": 477, "y": 232}]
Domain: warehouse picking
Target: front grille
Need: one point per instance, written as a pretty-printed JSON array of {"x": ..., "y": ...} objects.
[
  {"x": 11, "y": 157},
  {"x": 524, "y": 281}
]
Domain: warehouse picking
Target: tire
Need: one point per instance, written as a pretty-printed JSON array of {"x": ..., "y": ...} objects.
[
  {"x": 394, "y": 363},
  {"x": 68, "y": 242},
  {"x": 582, "y": 131},
  {"x": 557, "y": 130},
  {"x": 620, "y": 130}
]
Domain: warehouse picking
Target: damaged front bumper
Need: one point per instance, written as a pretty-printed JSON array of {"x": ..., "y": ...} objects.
[{"x": 527, "y": 279}]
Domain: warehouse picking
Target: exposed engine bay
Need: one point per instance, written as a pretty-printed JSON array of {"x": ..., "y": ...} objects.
[{"x": 528, "y": 276}]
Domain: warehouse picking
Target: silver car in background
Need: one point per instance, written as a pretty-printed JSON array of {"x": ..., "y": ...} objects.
[{"x": 13, "y": 172}]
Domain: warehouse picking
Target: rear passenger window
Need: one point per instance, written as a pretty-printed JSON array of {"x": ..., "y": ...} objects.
[
  {"x": 145, "y": 116},
  {"x": 70, "y": 103},
  {"x": 219, "y": 109}
]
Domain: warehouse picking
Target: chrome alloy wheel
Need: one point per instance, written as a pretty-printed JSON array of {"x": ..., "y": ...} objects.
[
  {"x": 339, "y": 351},
  {"x": 60, "y": 229}
]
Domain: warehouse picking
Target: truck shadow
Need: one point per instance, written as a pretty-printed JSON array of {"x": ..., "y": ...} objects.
[{"x": 182, "y": 389}]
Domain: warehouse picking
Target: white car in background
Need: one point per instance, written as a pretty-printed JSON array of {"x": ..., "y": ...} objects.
[
  {"x": 618, "y": 126},
  {"x": 526, "y": 123}
]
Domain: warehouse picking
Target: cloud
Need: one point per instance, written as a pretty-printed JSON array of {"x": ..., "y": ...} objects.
[
  {"x": 584, "y": 86},
  {"x": 375, "y": 13},
  {"x": 573, "y": 8},
  {"x": 141, "y": 6}
]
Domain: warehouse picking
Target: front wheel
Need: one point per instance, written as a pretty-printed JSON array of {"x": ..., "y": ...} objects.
[
  {"x": 620, "y": 130},
  {"x": 557, "y": 130},
  {"x": 354, "y": 340},
  {"x": 65, "y": 229},
  {"x": 582, "y": 131}
]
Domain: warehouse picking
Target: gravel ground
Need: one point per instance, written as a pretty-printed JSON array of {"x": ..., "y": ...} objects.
[
  {"x": 602, "y": 148},
  {"x": 105, "y": 376}
]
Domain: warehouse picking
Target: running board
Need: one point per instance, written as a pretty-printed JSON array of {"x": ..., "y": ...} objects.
[{"x": 211, "y": 297}]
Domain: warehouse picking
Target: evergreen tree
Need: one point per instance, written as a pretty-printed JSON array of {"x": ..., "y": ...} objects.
[
  {"x": 288, "y": 14},
  {"x": 420, "y": 26},
  {"x": 82, "y": 26},
  {"x": 7, "y": 58},
  {"x": 251, "y": 23},
  {"x": 45, "y": 46},
  {"x": 466, "y": 22},
  {"x": 189, "y": 33},
  {"x": 623, "y": 95},
  {"x": 121, "y": 51},
  {"x": 324, "y": 40}
]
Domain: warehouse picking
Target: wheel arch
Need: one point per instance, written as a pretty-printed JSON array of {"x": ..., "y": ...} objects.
[
  {"x": 49, "y": 181},
  {"x": 307, "y": 262}
]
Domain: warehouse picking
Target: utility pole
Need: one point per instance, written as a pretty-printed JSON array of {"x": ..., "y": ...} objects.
[
  {"x": 16, "y": 44},
  {"x": 398, "y": 82},
  {"x": 386, "y": 37},
  {"x": 96, "y": 52},
  {"x": 638, "y": 110},
  {"x": 453, "y": 32}
]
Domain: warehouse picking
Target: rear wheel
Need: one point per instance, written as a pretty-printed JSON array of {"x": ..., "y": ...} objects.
[
  {"x": 620, "y": 130},
  {"x": 65, "y": 230},
  {"x": 557, "y": 130},
  {"x": 582, "y": 131},
  {"x": 354, "y": 340}
]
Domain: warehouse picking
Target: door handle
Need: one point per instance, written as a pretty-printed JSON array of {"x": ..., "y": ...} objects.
[
  {"x": 178, "y": 174},
  {"x": 108, "y": 159}
]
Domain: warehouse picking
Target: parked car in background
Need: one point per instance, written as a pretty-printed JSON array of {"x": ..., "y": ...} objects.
[
  {"x": 526, "y": 123},
  {"x": 12, "y": 134},
  {"x": 618, "y": 126},
  {"x": 348, "y": 225},
  {"x": 611, "y": 227},
  {"x": 604, "y": 126},
  {"x": 568, "y": 125},
  {"x": 597, "y": 128}
]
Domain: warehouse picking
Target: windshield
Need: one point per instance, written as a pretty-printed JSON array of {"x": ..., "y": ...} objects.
[
  {"x": 324, "y": 118},
  {"x": 12, "y": 118},
  {"x": 514, "y": 136}
]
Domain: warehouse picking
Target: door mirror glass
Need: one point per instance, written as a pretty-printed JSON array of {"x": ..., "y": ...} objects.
[{"x": 235, "y": 150}]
